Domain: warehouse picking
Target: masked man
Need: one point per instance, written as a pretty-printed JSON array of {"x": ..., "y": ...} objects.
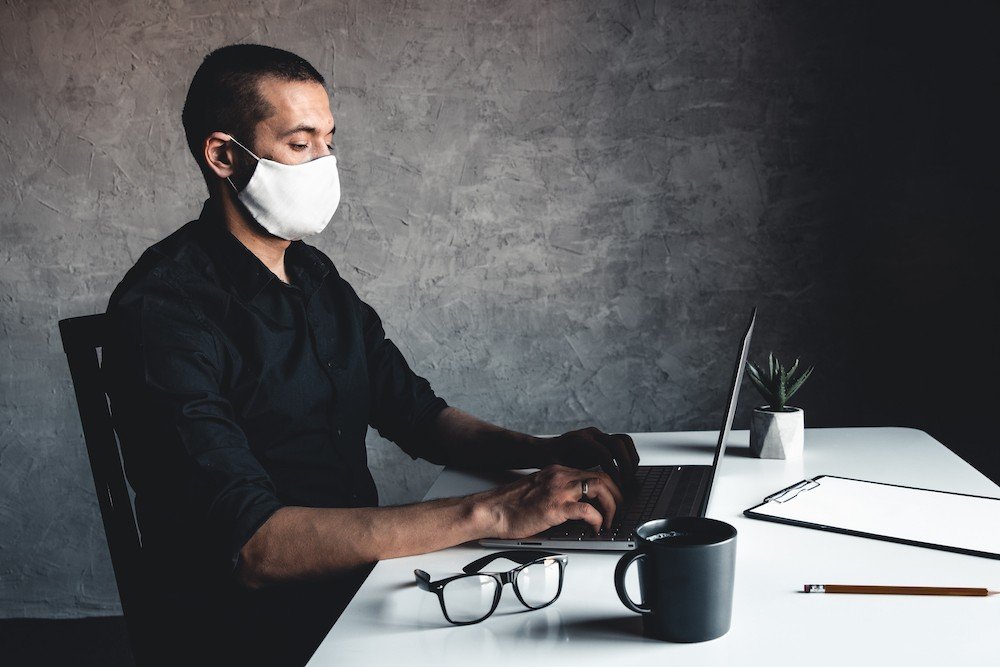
[{"x": 244, "y": 371}]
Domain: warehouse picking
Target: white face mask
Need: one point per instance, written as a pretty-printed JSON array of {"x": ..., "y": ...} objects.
[{"x": 292, "y": 200}]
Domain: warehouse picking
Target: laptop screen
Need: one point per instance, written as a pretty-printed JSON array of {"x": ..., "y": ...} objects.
[{"x": 727, "y": 417}]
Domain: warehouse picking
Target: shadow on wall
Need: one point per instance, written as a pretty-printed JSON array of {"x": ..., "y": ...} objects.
[{"x": 923, "y": 179}]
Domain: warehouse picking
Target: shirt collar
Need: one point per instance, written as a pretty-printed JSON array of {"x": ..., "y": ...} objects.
[
  {"x": 245, "y": 270},
  {"x": 303, "y": 263}
]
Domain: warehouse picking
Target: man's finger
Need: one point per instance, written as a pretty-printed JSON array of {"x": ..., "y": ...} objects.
[
  {"x": 628, "y": 460},
  {"x": 584, "y": 512},
  {"x": 624, "y": 456},
  {"x": 597, "y": 480},
  {"x": 611, "y": 486},
  {"x": 628, "y": 446},
  {"x": 607, "y": 495},
  {"x": 599, "y": 448}
]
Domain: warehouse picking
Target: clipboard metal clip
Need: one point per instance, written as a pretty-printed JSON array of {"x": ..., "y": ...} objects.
[{"x": 785, "y": 495}]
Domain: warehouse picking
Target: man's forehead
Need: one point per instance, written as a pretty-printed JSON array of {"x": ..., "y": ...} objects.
[{"x": 296, "y": 106}]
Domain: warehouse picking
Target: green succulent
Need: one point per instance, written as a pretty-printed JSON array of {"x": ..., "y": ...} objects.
[{"x": 777, "y": 384}]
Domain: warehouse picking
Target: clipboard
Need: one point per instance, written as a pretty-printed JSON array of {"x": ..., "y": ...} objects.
[{"x": 955, "y": 522}]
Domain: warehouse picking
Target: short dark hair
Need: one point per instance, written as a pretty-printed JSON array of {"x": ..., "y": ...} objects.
[{"x": 224, "y": 94}]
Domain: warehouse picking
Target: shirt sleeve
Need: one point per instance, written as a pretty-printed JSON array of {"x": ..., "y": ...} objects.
[
  {"x": 402, "y": 403},
  {"x": 177, "y": 427}
]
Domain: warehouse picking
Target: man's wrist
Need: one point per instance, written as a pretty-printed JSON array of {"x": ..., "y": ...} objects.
[
  {"x": 528, "y": 451},
  {"x": 484, "y": 514},
  {"x": 543, "y": 452}
]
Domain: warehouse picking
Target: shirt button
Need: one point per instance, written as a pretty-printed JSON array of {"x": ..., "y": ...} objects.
[
  {"x": 329, "y": 364},
  {"x": 339, "y": 431}
]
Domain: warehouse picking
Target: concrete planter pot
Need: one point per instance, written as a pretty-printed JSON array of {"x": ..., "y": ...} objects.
[{"x": 777, "y": 435}]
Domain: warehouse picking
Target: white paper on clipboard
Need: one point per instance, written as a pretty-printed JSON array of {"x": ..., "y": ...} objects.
[{"x": 922, "y": 517}]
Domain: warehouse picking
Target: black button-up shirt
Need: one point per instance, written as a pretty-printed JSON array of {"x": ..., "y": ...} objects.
[{"x": 235, "y": 394}]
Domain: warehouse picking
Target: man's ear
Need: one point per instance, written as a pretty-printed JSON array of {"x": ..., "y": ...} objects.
[{"x": 218, "y": 154}]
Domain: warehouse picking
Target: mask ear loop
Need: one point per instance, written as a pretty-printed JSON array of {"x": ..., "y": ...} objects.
[{"x": 234, "y": 140}]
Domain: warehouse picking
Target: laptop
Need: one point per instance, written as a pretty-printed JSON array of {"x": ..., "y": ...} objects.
[{"x": 661, "y": 491}]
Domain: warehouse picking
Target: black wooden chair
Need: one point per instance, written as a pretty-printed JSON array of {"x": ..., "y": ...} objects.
[{"x": 81, "y": 338}]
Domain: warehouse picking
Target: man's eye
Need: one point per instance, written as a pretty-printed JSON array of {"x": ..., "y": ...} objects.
[
  {"x": 299, "y": 147},
  {"x": 330, "y": 146}
]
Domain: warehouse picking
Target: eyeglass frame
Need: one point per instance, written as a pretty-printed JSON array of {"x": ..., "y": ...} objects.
[{"x": 523, "y": 557}]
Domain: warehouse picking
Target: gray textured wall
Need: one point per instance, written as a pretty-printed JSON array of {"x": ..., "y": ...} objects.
[{"x": 562, "y": 210}]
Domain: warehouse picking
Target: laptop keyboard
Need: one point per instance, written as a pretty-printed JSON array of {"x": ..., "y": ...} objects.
[
  {"x": 650, "y": 482},
  {"x": 684, "y": 500},
  {"x": 686, "y": 482}
]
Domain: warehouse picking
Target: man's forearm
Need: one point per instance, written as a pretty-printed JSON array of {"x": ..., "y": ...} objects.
[
  {"x": 298, "y": 543},
  {"x": 471, "y": 443},
  {"x": 305, "y": 543}
]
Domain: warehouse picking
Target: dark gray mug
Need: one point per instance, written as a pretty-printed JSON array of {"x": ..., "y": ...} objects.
[{"x": 686, "y": 571}]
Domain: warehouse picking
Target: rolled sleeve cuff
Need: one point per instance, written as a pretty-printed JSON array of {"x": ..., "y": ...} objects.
[
  {"x": 252, "y": 512},
  {"x": 419, "y": 443}
]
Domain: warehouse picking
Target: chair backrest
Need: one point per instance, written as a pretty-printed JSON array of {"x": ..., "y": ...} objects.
[{"x": 81, "y": 338}]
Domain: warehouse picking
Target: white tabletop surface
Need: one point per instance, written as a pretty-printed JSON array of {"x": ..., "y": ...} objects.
[{"x": 390, "y": 621}]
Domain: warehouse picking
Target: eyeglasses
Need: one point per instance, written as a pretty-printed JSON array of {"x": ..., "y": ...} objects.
[{"x": 472, "y": 597}]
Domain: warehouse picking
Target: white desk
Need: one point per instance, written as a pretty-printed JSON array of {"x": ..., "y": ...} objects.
[{"x": 390, "y": 621}]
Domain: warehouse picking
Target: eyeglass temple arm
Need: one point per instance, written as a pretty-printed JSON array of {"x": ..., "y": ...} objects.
[
  {"x": 423, "y": 580},
  {"x": 518, "y": 556}
]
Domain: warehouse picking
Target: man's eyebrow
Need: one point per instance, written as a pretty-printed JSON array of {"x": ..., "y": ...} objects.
[{"x": 302, "y": 127}]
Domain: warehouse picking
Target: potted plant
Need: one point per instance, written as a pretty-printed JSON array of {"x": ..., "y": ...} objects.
[{"x": 777, "y": 430}]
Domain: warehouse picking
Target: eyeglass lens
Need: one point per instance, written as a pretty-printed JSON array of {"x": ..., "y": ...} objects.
[
  {"x": 538, "y": 583},
  {"x": 469, "y": 599}
]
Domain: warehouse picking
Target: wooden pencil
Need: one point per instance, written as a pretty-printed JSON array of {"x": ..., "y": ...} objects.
[{"x": 897, "y": 590}]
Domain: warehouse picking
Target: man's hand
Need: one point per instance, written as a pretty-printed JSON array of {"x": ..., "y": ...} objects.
[
  {"x": 550, "y": 497},
  {"x": 590, "y": 447}
]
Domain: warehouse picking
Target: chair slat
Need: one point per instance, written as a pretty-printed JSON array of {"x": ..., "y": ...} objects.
[{"x": 81, "y": 338}]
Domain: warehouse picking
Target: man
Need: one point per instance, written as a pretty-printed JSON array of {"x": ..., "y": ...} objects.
[{"x": 244, "y": 372}]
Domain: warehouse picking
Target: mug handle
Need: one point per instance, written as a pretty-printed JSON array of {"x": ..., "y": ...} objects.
[{"x": 622, "y": 566}]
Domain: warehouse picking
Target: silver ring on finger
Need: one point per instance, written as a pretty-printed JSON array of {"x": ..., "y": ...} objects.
[{"x": 585, "y": 487}]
